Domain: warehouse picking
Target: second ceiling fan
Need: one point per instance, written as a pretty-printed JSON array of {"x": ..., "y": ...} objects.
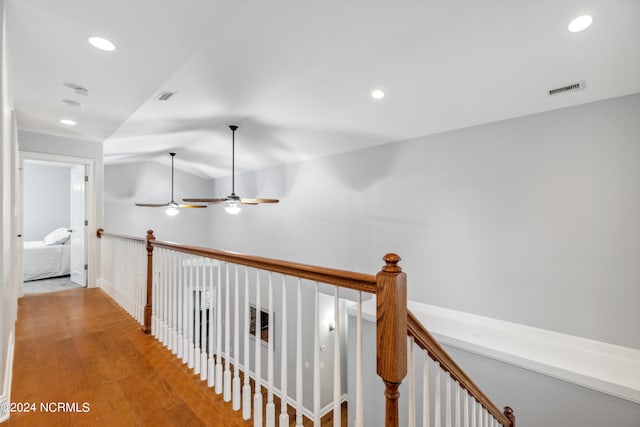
[{"x": 233, "y": 203}]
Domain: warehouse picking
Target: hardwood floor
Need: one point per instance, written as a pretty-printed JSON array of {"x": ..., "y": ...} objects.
[{"x": 79, "y": 347}]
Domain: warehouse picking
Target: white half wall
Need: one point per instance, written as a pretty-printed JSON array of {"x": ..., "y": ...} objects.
[
  {"x": 534, "y": 220},
  {"x": 46, "y": 199}
]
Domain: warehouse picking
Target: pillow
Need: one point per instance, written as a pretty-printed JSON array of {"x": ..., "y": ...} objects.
[{"x": 57, "y": 236}]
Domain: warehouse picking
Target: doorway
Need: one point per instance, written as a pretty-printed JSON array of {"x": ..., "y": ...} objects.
[{"x": 55, "y": 219}]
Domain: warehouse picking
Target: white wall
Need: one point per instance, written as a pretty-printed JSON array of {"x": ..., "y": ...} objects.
[
  {"x": 534, "y": 220},
  {"x": 46, "y": 199},
  {"x": 8, "y": 230},
  {"x": 150, "y": 182}
]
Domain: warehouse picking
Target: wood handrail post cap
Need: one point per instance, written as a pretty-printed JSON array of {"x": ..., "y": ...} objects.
[{"x": 391, "y": 263}]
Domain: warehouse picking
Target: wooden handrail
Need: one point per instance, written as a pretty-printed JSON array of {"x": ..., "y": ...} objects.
[
  {"x": 394, "y": 321},
  {"x": 342, "y": 278},
  {"x": 427, "y": 342},
  {"x": 100, "y": 232}
]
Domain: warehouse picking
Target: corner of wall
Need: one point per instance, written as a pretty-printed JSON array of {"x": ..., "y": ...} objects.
[{"x": 5, "y": 396}]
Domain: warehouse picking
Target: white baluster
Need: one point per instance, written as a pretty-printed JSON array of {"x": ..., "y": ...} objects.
[
  {"x": 447, "y": 401},
  {"x": 185, "y": 309},
  {"x": 196, "y": 314},
  {"x": 175, "y": 276},
  {"x": 179, "y": 305},
  {"x": 171, "y": 300},
  {"x": 359, "y": 421},
  {"x": 155, "y": 280},
  {"x": 235, "y": 385},
  {"x": 257, "y": 396},
  {"x": 299, "y": 357},
  {"x": 412, "y": 385},
  {"x": 227, "y": 338},
  {"x": 465, "y": 415},
  {"x": 218, "y": 381},
  {"x": 165, "y": 286},
  {"x": 154, "y": 306},
  {"x": 436, "y": 396},
  {"x": 165, "y": 296},
  {"x": 426, "y": 401},
  {"x": 210, "y": 362},
  {"x": 191, "y": 313},
  {"x": 246, "y": 388},
  {"x": 271, "y": 407},
  {"x": 203, "y": 319},
  {"x": 473, "y": 412},
  {"x": 337, "y": 360},
  {"x": 457, "y": 406},
  {"x": 316, "y": 355},
  {"x": 284, "y": 366},
  {"x": 485, "y": 421}
]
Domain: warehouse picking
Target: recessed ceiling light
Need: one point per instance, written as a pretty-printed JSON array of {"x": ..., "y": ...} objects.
[
  {"x": 580, "y": 23},
  {"x": 102, "y": 43},
  {"x": 377, "y": 94},
  {"x": 67, "y": 122}
]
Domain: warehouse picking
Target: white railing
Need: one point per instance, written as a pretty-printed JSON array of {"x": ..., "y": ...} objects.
[
  {"x": 227, "y": 316},
  {"x": 210, "y": 312},
  {"x": 123, "y": 273},
  {"x": 440, "y": 393}
]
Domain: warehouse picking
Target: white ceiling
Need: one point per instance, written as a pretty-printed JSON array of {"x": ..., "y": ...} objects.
[{"x": 296, "y": 75}]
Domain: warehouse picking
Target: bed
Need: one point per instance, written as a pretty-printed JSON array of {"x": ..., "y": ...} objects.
[{"x": 47, "y": 258}]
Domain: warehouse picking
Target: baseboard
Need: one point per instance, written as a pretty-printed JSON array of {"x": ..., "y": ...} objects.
[{"x": 5, "y": 396}]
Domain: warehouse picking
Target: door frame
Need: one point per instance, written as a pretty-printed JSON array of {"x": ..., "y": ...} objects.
[{"x": 89, "y": 206}]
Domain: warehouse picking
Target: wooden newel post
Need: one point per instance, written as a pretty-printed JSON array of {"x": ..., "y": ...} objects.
[
  {"x": 146, "y": 328},
  {"x": 391, "y": 332},
  {"x": 508, "y": 412}
]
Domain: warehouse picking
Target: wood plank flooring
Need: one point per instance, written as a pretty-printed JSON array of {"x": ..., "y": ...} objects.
[{"x": 79, "y": 346}]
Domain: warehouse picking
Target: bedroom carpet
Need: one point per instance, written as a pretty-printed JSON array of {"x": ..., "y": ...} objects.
[{"x": 54, "y": 284}]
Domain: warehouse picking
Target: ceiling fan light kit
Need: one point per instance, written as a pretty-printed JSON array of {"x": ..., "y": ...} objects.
[
  {"x": 173, "y": 208},
  {"x": 232, "y": 203}
]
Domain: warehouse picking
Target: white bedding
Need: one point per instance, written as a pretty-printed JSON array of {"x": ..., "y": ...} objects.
[{"x": 42, "y": 261}]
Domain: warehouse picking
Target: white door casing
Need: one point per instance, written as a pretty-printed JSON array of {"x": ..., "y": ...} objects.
[{"x": 78, "y": 227}]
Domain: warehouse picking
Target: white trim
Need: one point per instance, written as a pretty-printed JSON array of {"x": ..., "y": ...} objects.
[
  {"x": 597, "y": 365},
  {"x": 5, "y": 397}
]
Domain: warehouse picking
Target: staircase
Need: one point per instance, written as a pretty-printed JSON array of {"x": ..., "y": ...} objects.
[{"x": 219, "y": 312}]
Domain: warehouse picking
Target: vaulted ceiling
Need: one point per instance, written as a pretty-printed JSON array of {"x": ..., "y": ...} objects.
[{"x": 297, "y": 75}]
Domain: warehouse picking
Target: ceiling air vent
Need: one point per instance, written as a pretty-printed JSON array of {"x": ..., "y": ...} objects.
[
  {"x": 164, "y": 96},
  {"x": 569, "y": 88}
]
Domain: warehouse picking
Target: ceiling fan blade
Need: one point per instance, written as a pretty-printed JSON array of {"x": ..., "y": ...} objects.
[
  {"x": 210, "y": 201},
  {"x": 153, "y": 205},
  {"x": 192, "y": 206},
  {"x": 257, "y": 201}
]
